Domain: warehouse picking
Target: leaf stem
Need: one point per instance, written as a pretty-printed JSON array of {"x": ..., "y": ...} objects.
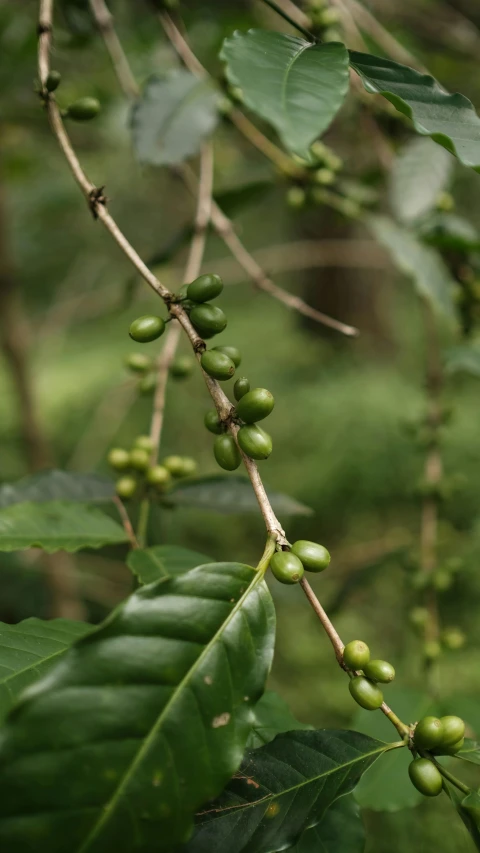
[
  {"x": 267, "y": 555},
  {"x": 286, "y": 17},
  {"x": 449, "y": 776}
]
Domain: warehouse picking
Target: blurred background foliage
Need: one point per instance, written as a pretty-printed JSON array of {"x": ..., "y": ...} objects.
[{"x": 341, "y": 445}]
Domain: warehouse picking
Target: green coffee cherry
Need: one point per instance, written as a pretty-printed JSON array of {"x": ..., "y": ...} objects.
[
  {"x": 255, "y": 405},
  {"x": 296, "y": 197},
  {"x": 425, "y": 777},
  {"x": 147, "y": 328},
  {"x": 419, "y": 616},
  {"x": 148, "y": 384},
  {"x": 84, "y": 109},
  {"x": 126, "y": 487},
  {"x": 182, "y": 366},
  {"x": 232, "y": 353},
  {"x": 226, "y": 452},
  {"x": 428, "y": 733},
  {"x": 175, "y": 465},
  {"x": 189, "y": 466},
  {"x": 158, "y": 476},
  {"x": 241, "y": 387},
  {"x": 53, "y": 80},
  {"x": 205, "y": 288},
  {"x": 208, "y": 319},
  {"x": 138, "y": 362},
  {"x": 145, "y": 442},
  {"x": 213, "y": 422},
  {"x": 315, "y": 557},
  {"x": 217, "y": 364},
  {"x": 453, "y": 638},
  {"x": 119, "y": 458},
  {"x": 453, "y": 729},
  {"x": 379, "y": 670},
  {"x": 451, "y": 750},
  {"x": 432, "y": 650},
  {"x": 286, "y": 567},
  {"x": 356, "y": 654},
  {"x": 139, "y": 459},
  {"x": 365, "y": 693},
  {"x": 325, "y": 177},
  {"x": 445, "y": 202},
  {"x": 254, "y": 441}
]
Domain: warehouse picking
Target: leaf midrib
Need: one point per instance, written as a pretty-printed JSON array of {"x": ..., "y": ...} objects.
[
  {"x": 285, "y": 81},
  {"x": 273, "y": 796},
  {"x": 107, "y": 809}
]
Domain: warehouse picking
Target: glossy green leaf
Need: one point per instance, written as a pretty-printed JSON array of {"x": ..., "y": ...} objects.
[
  {"x": 28, "y": 650},
  {"x": 420, "y": 172},
  {"x": 172, "y": 118},
  {"x": 420, "y": 263},
  {"x": 272, "y": 717},
  {"x": 469, "y": 810},
  {"x": 57, "y": 526},
  {"x": 297, "y": 86},
  {"x": 449, "y": 119},
  {"x": 463, "y": 359},
  {"x": 143, "y": 720},
  {"x": 230, "y": 495},
  {"x": 163, "y": 561},
  {"x": 387, "y": 786},
  {"x": 58, "y": 486},
  {"x": 283, "y": 788},
  {"x": 340, "y": 831},
  {"x": 470, "y": 751}
]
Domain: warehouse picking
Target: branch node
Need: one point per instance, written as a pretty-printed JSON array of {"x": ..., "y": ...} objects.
[
  {"x": 96, "y": 196},
  {"x": 44, "y": 28}
]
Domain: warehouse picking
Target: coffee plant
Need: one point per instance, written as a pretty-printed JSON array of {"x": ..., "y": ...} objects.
[{"x": 153, "y": 731}]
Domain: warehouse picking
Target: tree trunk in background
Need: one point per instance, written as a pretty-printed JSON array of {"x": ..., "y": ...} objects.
[{"x": 59, "y": 569}]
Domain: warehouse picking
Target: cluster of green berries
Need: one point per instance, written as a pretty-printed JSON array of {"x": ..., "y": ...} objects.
[
  {"x": 138, "y": 362},
  {"x": 364, "y": 688},
  {"x": 138, "y": 471},
  {"x": 439, "y": 736},
  {"x": 252, "y": 406},
  {"x": 320, "y": 172},
  {"x": 288, "y": 566},
  {"x": 324, "y": 20}
]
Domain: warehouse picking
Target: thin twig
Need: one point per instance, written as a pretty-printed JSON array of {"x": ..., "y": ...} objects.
[
  {"x": 120, "y": 62},
  {"x": 384, "y": 39},
  {"x": 295, "y": 23},
  {"x": 127, "y": 524}
]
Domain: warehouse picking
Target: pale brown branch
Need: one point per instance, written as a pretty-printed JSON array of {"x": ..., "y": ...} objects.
[
  {"x": 120, "y": 62},
  {"x": 384, "y": 39},
  {"x": 127, "y": 524},
  {"x": 98, "y": 206}
]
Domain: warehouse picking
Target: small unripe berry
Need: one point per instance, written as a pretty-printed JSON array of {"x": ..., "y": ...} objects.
[
  {"x": 213, "y": 422},
  {"x": 286, "y": 567},
  {"x": 182, "y": 366},
  {"x": 189, "y": 466},
  {"x": 419, "y": 616},
  {"x": 365, "y": 693},
  {"x": 330, "y": 16},
  {"x": 255, "y": 405},
  {"x": 425, "y": 777},
  {"x": 428, "y": 733},
  {"x": 451, "y": 750},
  {"x": 139, "y": 459},
  {"x": 432, "y": 650},
  {"x": 356, "y": 654},
  {"x": 205, "y": 288},
  {"x": 296, "y": 197},
  {"x": 145, "y": 442},
  {"x": 445, "y": 202},
  {"x": 147, "y": 328},
  {"x": 118, "y": 458},
  {"x": 126, "y": 487},
  {"x": 138, "y": 362},
  {"x": 84, "y": 109},
  {"x": 208, "y": 319},
  {"x": 315, "y": 557},
  {"x": 53, "y": 80},
  {"x": 442, "y": 580},
  {"x": 147, "y": 384},
  {"x": 176, "y": 465},
  {"x": 325, "y": 177},
  {"x": 453, "y": 638},
  {"x": 453, "y": 729},
  {"x": 232, "y": 352},
  {"x": 158, "y": 476},
  {"x": 217, "y": 364},
  {"x": 241, "y": 387},
  {"x": 254, "y": 441},
  {"x": 226, "y": 452},
  {"x": 379, "y": 670}
]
